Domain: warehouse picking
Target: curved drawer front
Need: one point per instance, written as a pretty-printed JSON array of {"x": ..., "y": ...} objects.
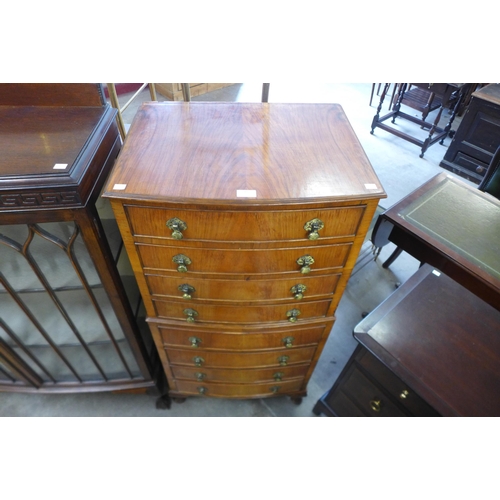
[
  {"x": 237, "y": 376},
  {"x": 204, "y": 313},
  {"x": 248, "y": 261},
  {"x": 213, "y": 225},
  {"x": 239, "y": 390},
  {"x": 238, "y": 290},
  {"x": 217, "y": 359},
  {"x": 203, "y": 339}
]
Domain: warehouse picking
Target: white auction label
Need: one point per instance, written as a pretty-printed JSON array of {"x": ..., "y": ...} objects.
[
  {"x": 60, "y": 166},
  {"x": 119, "y": 187},
  {"x": 437, "y": 273},
  {"x": 246, "y": 193},
  {"x": 370, "y": 186}
]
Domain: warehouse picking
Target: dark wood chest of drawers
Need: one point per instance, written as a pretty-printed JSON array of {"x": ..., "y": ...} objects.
[
  {"x": 432, "y": 348},
  {"x": 243, "y": 223},
  {"x": 477, "y": 137}
]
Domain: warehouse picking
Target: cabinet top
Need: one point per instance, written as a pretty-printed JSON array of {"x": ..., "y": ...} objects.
[
  {"x": 239, "y": 153},
  {"x": 51, "y": 156},
  {"x": 489, "y": 93}
]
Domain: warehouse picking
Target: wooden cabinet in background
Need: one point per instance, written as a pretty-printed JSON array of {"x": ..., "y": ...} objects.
[
  {"x": 477, "y": 137},
  {"x": 173, "y": 91},
  {"x": 68, "y": 305},
  {"x": 243, "y": 223}
]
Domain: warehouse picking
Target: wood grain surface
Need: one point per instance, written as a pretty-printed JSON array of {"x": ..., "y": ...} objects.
[{"x": 210, "y": 151}]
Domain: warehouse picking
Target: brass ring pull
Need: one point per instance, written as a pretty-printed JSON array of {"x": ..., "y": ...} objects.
[
  {"x": 288, "y": 341},
  {"x": 200, "y": 376},
  {"x": 202, "y": 390},
  {"x": 198, "y": 361},
  {"x": 312, "y": 227},
  {"x": 283, "y": 360},
  {"x": 278, "y": 376},
  {"x": 375, "y": 404},
  {"x": 298, "y": 291},
  {"x": 404, "y": 394},
  {"x": 191, "y": 315},
  {"x": 275, "y": 388},
  {"x": 182, "y": 262},
  {"x": 176, "y": 226},
  {"x": 293, "y": 315},
  {"x": 195, "y": 341},
  {"x": 187, "y": 290},
  {"x": 306, "y": 261}
]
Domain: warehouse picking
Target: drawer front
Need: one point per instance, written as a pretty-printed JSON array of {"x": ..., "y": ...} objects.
[
  {"x": 196, "y": 339},
  {"x": 238, "y": 390},
  {"x": 237, "y": 376},
  {"x": 212, "y": 225},
  {"x": 394, "y": 386},
  {"x": 203, "y": 313},
  {"x": 246, "y": 261},
  {"x": 241, "y": 290},
  {"x": 217, "y": 359},
  {"x": 365, "y": 395}
]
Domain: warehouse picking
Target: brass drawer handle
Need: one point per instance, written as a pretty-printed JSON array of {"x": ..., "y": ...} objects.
[
  {"x": 202, "y": 390},
  {"x": 176, "y": 226},
  {"x": 200, "y": 376},
  {"x": 182, "y": 262},
  {"x": 195, "y": 341},
  {"x": 312, "y": 227},
  {"x": 306, "y": 261},
  {"x": 275, "y": 388},
  {"x": 187, "y": 290},
  {"x": 293, "y": 315},
  {"x": 283, "y": 360},
  {"x": 404, "y": 394},
  {"x": 198, "y": 360},
  {"x": 191, "y": 314},
  {"x": 278, "y": 376},
  {"x": 298, "y": 291},
  {"x": 376, "y": 405},
  {"x": 288, "y": 341}
]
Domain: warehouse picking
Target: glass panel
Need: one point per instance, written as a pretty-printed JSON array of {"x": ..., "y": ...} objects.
[
  {"x": 69, "y": 331},
  {"x": 462, "y": 220}
]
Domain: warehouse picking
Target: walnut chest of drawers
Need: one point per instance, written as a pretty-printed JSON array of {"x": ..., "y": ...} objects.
[{"x": 243, "y": 223}]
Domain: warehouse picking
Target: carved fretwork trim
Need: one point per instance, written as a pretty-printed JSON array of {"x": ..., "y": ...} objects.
[{"x": 40, "y": 199}]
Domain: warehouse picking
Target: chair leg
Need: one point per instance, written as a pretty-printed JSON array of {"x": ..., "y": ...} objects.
[{"x": 394, "y": 255}]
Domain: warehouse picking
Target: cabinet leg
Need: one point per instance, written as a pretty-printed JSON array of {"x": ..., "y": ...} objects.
[
  {"x": 179, "y": 400},
  {"x": 317, "y": 410},
  {"x": 163, "y": 402},
  {"x": 296, "y": 401}
]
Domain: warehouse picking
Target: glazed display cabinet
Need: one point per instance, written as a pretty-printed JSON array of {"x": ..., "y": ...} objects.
[{"x": 68, "y": 305}]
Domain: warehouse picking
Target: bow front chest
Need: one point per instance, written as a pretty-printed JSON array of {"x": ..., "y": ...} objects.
[{"x": 243, "y": 223}]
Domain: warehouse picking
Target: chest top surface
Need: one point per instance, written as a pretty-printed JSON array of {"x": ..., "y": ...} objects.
[{"x": 242, "y": 153}]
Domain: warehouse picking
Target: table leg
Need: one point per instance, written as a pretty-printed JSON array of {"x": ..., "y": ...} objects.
[{"x": 379, "y": 108}]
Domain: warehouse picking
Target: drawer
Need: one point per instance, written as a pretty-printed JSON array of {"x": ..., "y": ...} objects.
[
  {"x": 394, "y": 386},
  {"x": 204, "y": 313},
  {"x": 241, "y": 290},
  {"x": 198, "y": 338},
  {"x": 239, "y": 390},
  {"x": 243, "y": 226},
  {"x": 365, "y": 395},
  {"x": 226, "y": 359},
  {"x": 238, "y": 376},
  {"x": 243, "y": 261}
]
